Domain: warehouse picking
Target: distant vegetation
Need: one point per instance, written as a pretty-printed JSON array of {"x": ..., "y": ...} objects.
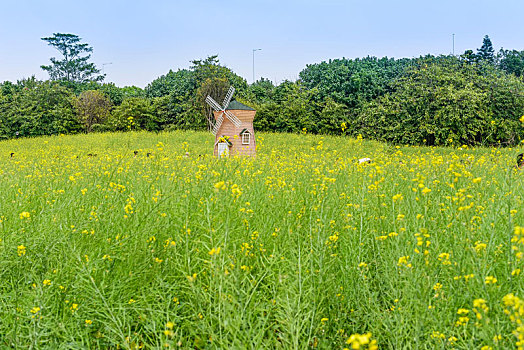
[{"x": 476, "y": 98}]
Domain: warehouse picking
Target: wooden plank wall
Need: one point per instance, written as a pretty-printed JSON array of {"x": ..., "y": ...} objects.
[{"x": 229, "y": 129}]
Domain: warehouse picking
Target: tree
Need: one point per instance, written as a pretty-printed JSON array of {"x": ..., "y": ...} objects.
[
  {"x": 134, "y": 113},
  {"x": 512, "y": 61},
  {"x": 210, "y": 68},
  {"x": 469, "y": 57},
  {"x": 447, "y": 102},
  {"x": 262, "y": 90},
  {"x": 353, "y": 82},
  {"x": 486, "y": 52},
  {"x": 92, "y": 107},
  {"x": 75, "y": 66},
  {"x": 180, "y": 83},
  {"x": 37, "y": 108}
]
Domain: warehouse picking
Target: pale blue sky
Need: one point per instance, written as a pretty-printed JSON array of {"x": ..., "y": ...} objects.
[{"x": 144, "y": 39}]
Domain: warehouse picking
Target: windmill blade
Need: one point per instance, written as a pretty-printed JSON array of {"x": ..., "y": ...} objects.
[
  {"x": 228, "y": 97},
  {"x": 233, "y": 118},
  {"x": 218, "y": 123},
  {"x": 213, "y": 104}
]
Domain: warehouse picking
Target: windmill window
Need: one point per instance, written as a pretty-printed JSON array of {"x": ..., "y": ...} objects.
[{"x": 246, "y": 138}]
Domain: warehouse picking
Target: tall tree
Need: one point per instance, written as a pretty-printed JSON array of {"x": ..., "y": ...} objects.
[
  {"x": 75, "y": 66},
  {"x": 486, "y": 52},
  {"x": 92, "y": 107}
]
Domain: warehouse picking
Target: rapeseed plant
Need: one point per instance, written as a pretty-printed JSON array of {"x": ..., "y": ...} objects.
[{"x": 300, "y": 247}]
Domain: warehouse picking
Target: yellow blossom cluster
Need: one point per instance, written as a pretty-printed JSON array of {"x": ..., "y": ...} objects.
[{"x": 146, "y": 240}]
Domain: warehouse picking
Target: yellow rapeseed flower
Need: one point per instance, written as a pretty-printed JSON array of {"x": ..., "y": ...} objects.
[
  {"x": 21, "y": 249},
  {"x": 221, "y": 185},
  {"x": 404, "y": 261},
  {"x": 214, "y": 251},
  {"x": 74, "y": 307},
  {"x": 359, "y": 341},
  {"x": 462, "y": 311},
  {"x": 398, "y": 197},
  {"x": 490, "y": 280}
]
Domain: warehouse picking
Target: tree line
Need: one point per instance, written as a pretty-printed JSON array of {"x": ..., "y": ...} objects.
[{"x": 476, "y": 98}]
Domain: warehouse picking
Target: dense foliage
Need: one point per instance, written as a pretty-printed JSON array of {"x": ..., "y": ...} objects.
[
  {"x": 33, "y": 108},
  {"x": 447, "y": 102},
  {"x": 475, "y": 98},
  {"x": 353, "y": 81},
  {"x": 92, "y": 107}
]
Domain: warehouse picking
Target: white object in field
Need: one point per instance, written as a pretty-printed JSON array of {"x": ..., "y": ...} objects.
[
  {"x": 223, "y": 149},
  {"x": 217, "y": 108},
  {"x": 364, "y": 160}
]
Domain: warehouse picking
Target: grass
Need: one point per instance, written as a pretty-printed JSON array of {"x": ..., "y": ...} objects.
[{"x": 299, "y": 247}]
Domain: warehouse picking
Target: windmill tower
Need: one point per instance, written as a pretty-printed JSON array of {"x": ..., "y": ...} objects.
[{"x": 233, "y": 127}]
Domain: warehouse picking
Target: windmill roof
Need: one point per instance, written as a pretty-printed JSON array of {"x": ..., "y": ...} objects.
[{"x": 240, "y": 106}]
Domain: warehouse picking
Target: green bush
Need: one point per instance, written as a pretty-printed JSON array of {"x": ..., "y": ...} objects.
[
  {"x": 134, "y": 113},
  {"x": 92, "y": 107},
  {"x": 353, "y": 82},
  {"x": 37, "y": 108},
  {"x": 447, "y": 102}
]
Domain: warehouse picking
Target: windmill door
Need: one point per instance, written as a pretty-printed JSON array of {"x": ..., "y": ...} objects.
[{"x": 223, "y": 149}]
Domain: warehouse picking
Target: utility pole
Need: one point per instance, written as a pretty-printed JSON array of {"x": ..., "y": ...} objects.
[
  {"x": 453, "y": 44},
  {"x": 254, "y": 63}
]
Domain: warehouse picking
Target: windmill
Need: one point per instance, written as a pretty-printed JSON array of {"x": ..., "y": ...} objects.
[
  {"x": 222, "y": 111},
  {"x": 232, "y": 126}
]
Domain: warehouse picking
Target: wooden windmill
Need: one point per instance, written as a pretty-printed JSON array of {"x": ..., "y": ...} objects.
[{"x": 233, "y": 127}]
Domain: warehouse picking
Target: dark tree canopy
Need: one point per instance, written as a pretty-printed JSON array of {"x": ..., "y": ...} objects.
[
  {"x": 178, "y": 83},
  {"x": 353, "y": 81},
  {"x": 486, "y": 52},
  {"x": 74, "y": 67},
  {"x": 512, "y": 61}
]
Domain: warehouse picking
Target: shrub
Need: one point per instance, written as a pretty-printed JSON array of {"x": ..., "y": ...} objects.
[
  {"x": 447, "y": 102},
  {"x": 92, "y": 107},
  {"x": 133, "y": 113},
  {"x": 38, "y": 108}
]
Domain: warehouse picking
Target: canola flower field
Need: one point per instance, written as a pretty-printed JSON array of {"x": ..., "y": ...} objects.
[{"x": 300, "y": 247}]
